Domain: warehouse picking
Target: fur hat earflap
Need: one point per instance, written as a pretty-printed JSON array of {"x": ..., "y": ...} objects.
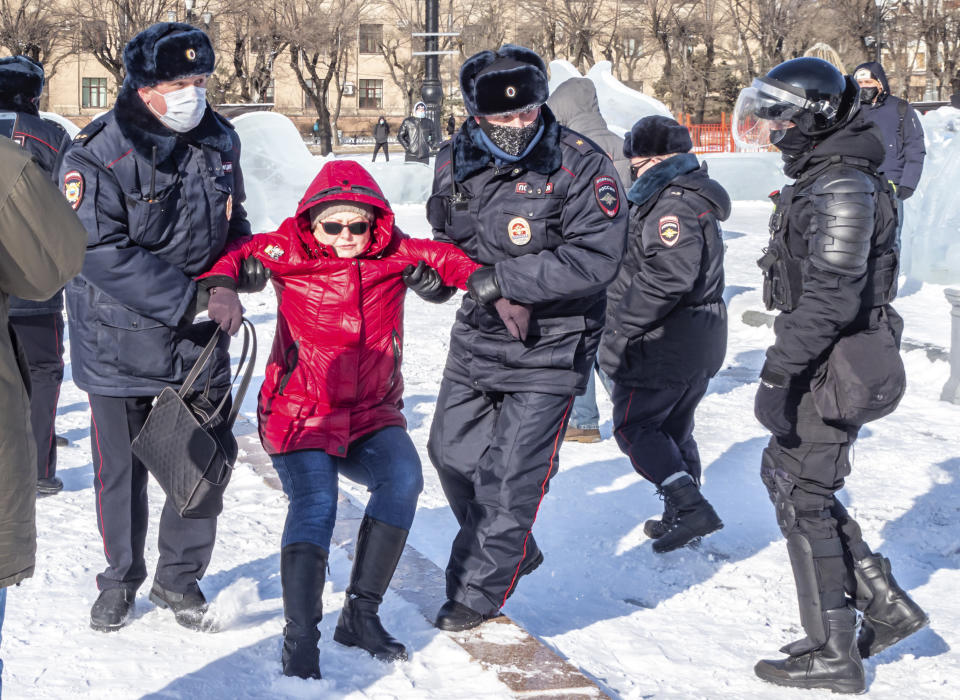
[
  {"x": 167, "y": 51},
  {"x": 514, "y": 79},
  {"x": 21, "y": 83},
  {"x": 656, "y": 136}
]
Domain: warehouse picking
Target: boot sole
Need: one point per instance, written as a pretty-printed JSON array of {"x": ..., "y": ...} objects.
[
  {"x": 913, "y": 629},
  {"x": 844, "y": 687},
  {"x": 693, "y": 541},
  {"x": 348, "y": 640},
  {"x": 109, "y": 628}
]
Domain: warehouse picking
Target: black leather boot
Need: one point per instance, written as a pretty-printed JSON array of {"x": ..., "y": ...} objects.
[
  {"x": 379, "y": 547},
  {"x": 112, "y": 609},
  {"x": 303, "y": 569},
  {"x": 889, "y": 614},
  {"x": 694, "y": 518},
  {"x": 655, "y": 529},
  {"x": 189, "y": 608},
  {"x": 835, "y": 665}
]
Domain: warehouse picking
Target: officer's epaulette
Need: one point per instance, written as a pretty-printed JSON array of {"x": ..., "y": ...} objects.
[
  {"x": 89, "y": 131},
  {"x": 580, "y": 142},
  {"x": 224, "y": 120}
]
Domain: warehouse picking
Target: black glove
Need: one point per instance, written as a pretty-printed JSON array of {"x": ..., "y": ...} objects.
[
  {"x": 253, "y": 275},
  {"x": 426, "y": 282},
  {"x": 224, "y": 308},
  {"x": 482, "y": 285},
  {"x": 904, "y": 192},
  {"x": 775, "y": 407},
  {"x": 516, "y": 317}
]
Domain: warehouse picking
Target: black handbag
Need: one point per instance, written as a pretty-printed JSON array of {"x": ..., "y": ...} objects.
[{"x": 190, "y": 460}]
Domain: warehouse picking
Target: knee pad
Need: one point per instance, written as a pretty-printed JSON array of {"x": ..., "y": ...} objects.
[
  {"x": 768, "y": 470},
  {"x": 787, "y": 517}
]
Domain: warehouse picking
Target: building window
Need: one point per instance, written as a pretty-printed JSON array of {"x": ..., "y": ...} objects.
[
  {"x": 307, "y": 99},
  {"x": 268, "y": 91},
  {"x": 632, "y": 47},
  {"x": 371, "y": 36},
  {"x": 371, "y": 94},
  {"x": 93, "y": 92}
]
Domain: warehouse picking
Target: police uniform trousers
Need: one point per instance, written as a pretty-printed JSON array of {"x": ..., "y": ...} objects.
[
  {"x": 42, "y": 339},
  {"x": 495, "y": 453},
  {"x": 802, "y": 474},
  {"x": 654, "y": 427},
  {"x": 120, "y": 488}
]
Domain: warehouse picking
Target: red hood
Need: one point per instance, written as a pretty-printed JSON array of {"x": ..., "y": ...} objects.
[{"x": 347, "y": 180}]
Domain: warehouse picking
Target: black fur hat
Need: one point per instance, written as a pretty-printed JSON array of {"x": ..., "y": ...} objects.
[
  {"x": 167, "y": 51},
  {"x": 514, "y": 79},
  {"x": 656, "y": 136},
  {"x": 21, "y": 82}
]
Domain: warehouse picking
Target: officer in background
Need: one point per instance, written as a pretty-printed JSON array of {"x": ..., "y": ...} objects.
[
  {"x": 831, "y": 270},
  {"x": 666, "y": 332},
  {"x": 540, "y": 208},
  {"x": 156, "y": 182},
  {"x": 38, "y": 324},
  {"x": 416, "y": 135}
]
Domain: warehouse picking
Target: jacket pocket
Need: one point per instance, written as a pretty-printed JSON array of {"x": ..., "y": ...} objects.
[
  {"x": 526, "y": 228},
  {"x": 552, "y": 343},
  {"x": 135, "y": 345},
  {"x": 152, "y": 222},
  {"x": 291, "y": 358}
]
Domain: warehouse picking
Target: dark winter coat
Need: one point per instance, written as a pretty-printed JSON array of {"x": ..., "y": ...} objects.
[
  {"x": 333, "y": 374},
  {"x": 46, "y": 141},
  {"x": 554, "y": 225},
  {"x": 381, "y": 132},
  {"x": 416, "y": 137},
  {"x": 151, "y": 231},
  {"x": 902, "y": 133},
  {"x": 41, "y": 247},
  {"x": 666, "y": 320},
  {"x": 574, "y": 104}
]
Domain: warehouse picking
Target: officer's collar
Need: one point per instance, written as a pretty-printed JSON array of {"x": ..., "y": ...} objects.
[
  {"x": 145, "y": 131},
  {"x": 470, "y": 156},
  {"x": 659, "y": 176}
]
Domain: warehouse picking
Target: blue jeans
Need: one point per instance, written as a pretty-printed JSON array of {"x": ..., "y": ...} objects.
[
  {"x": 585, "y": 415},
  {"x": 3, "y": 606},
  {"x": 386, "y": 462}
]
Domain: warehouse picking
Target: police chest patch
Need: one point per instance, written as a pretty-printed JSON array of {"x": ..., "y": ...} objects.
[
  {"x": 608, "y": 195},
  {"x": 519, "y": 231},
  {"x": 669, "y": 228},
  {"x": 521, "y": 188},
  {"x": 274, "y": 252},
  {"x": 73, "y": 188},
  {"x": 228, "y": 167}
]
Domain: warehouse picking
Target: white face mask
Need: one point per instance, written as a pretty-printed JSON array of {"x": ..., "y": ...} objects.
[{"x": 185, "y": 108}]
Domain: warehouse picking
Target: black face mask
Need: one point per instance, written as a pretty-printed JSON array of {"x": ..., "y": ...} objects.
[
  {"x": 510, "y": 139},
  {"x": 793, "y": 142},
  {"x": 868, "y": 94}
]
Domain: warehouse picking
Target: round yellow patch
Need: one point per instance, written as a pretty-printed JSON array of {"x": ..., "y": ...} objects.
[
  {"x": 191, "y": 55},
  {"x": 519, "y": 231}
]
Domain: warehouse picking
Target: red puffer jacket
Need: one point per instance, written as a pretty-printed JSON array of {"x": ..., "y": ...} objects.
[{"x": 333, "y": 374}]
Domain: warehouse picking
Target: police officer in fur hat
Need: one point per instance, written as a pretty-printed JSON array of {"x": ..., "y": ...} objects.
[
  {"x": 540, "y": 207},
  {"x": 38, "y": 324},
  {"x": 666, "y": 332},
  {"x": 157, "y": 184}
]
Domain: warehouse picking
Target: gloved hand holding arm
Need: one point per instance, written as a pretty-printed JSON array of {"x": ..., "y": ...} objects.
[
  {"x": 253, "y": 275},
  {"x": 224, "y": 308},
  {"x": 482, "y": 285},
  {"x": 426, "y": 282}
]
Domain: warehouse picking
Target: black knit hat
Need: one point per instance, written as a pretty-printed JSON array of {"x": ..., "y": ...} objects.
[
  {"x": 514, "y": 79},
  {"x": 21, "y": 83},
  {"x": 656, "y": 136},
  {"x": 167, "y": 51}
]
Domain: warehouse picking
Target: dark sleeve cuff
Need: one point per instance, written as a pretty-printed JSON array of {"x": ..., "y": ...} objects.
[
  {"x": 217, "y": 281},
  {"x": 774, "y": 378}
]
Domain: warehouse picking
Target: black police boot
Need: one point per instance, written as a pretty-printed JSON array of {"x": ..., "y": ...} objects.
[
  {"x": 889, "y": 614},
  {"x": 188, "y": 608},
  {"x": 694, "y": 518},
  {"x": 835, "y": 665},
  {"x": 49, "y": 487},
  {"x": 112, "y": 609},
  {"x": 303, "y": 569},
  {"x": 379, "y": 547},
  {"x": 456, "y": 617},
  {"x": 655, "y": 529}
]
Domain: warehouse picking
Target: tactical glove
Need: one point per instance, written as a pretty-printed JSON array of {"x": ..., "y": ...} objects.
[
  {"x": 426, "y": 282},
  {"x": 483, "y": 286},
  {"x": 253, "y": 275}
]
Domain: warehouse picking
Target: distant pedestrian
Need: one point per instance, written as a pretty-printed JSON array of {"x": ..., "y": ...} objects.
[
  {"x": 381, "y": 132},
  {"x": 416, "y": 135},
  {"x": 451, "y": 126},
  {"x": 316, "y": 132}
]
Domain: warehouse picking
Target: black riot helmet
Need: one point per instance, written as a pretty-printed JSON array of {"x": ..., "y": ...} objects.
[{"x": 807, "y": 93}]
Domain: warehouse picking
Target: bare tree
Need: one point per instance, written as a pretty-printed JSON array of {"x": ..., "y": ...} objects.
[
  {"x": 33, "y": 28},
  {"x": 256, "y": 36},
  {"x": 939, "y": 26}
]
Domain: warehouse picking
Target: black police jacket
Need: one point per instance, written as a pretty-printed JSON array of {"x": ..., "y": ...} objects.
[
  {"x": 46, "y": 141},
  {"x": 666, "y": 320},
  {"x": 159, "y": 208},
  {"x": 554, "y": 226},
  {"x": 833, "y": 251}
]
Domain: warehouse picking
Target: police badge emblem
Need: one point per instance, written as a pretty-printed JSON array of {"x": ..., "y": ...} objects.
[
  {"x": 669, "y": 228},
  {"x": 519, "y": 231},
  {"x": 73, "y": 188},
  {"x": 608, "y": 195}
]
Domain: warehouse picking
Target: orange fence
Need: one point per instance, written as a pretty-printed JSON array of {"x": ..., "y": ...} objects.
[{"x": 713, "y": 138}]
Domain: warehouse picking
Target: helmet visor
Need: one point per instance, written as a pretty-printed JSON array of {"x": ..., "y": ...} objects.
[{"x": 760, "y": 119}]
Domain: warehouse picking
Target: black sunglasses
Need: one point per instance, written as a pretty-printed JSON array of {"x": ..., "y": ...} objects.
[{"x": 335, "y": 228}]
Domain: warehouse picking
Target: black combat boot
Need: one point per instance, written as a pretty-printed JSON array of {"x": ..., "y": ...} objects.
[
  {"x": 112, "y": 609},
  {"x": 889, "y": 614},
  {"x": 655, "y": 529},
  {"x": 834, "y": 666},
  {"x": 695, "y": 516},
  {"x": 188, "y": 608},
  {"x": 303, "y": 569},
  {"x": 457, "y": 617},
  {"x": 379, "y": 547}
]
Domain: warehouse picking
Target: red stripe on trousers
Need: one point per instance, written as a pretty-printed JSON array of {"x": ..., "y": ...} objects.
[
  {"x": 543, "y": 492},
  {"x": 626, "y": 417},
  {"x": 96, "y": 435}
]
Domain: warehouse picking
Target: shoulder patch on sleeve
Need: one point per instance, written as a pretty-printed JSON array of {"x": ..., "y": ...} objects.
[
  {"x": 669, "y": 230},
  {"x": 608, "y": 194},
  {"x": 89, "y": 131},
  {"x": 73, "y": 188}
]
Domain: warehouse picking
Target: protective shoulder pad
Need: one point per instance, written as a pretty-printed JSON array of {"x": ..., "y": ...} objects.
[
  {"x": 88, "y": 132},
  {"x": 845, "y": 219},
  {"x": 579, "y": 142}
]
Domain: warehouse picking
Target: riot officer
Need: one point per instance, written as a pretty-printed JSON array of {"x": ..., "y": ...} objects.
[
  {"x": 156, "y": 182},
  {"x": 38, "y": 324},
  {"x": 666, "y": 333},
  {"x": 831, "y": 271},
  {"x": 540, "y": 207}
]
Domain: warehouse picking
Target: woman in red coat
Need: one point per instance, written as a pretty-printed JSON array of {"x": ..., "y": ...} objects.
[{"x": 332, "y": 396}]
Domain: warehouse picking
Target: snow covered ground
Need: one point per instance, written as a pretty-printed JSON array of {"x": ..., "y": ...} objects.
[{"x": 689, "y": 624}]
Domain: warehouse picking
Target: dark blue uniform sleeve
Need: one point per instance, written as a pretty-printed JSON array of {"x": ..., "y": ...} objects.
[
  {"x": 914, "y": 150},
  {"x": 593, "y": 244},
  {"x": 114, "y": 263}
]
